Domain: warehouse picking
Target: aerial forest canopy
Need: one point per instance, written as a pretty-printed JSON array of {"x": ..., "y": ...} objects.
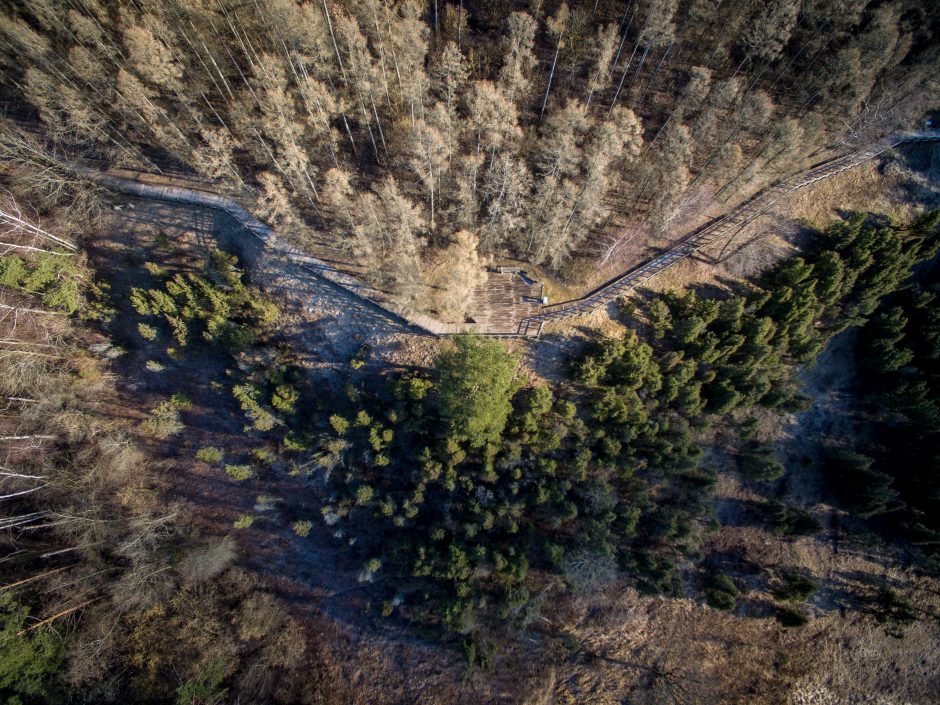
[
  {"x": 228, "y": 473},
  {"x": 474, "y": 479},
  {"x": 399, "y": 137}
]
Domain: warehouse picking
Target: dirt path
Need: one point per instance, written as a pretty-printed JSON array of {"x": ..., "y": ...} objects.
[
  {"x": 324, "y": 324},
  {"x": 508, "y": 303}
]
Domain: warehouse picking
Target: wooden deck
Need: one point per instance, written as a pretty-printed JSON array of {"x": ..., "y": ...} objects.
[{"x": 503, "y": 301}]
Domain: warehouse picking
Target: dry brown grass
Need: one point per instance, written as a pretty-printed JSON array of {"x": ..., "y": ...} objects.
[
  {"x": 646, "y": 649},
  {"x": 863, "y": 188},
  {"x": 556, "y": 289},
  {"x": 687, "y": 273}
]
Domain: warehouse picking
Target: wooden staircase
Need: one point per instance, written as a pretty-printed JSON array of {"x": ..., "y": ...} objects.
[{"x": 724, "y": 227}]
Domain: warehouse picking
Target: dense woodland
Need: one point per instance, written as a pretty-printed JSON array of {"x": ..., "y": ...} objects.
[
  {"x": 463, "y": 500},
  {"x": 476, "y": 481},
  {"x": 399, "y": 136}
]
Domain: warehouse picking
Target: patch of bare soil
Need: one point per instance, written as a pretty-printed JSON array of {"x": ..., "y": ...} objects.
[{"x": 320, "y": 321}]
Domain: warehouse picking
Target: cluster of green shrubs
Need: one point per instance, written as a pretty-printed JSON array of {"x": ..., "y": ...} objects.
[
  {"x": 448, "y": 479},
  {"x": 706, "y": 357},
  {"x": 469, "y": 477},
  {"x": 226, "y": 313},
  {"x": 215, "y": 304},
  {"x": 788, "y": 587},
  {"x": 720, "y": 592},
  {"x": 192, "y": 637},
  {"x": 29, "y": 659},
  {"x": 463, "y": 480},
  {"x": 57, "y": 278},
  {"x": 163, "y": 420},
  {"x": 716, "y": 355},
  {"x": 52, "y": 276},
  {"x": 788, "y": 521},
  {"x": 267, "y": 392},
  {"x": 792, "y": 587}
]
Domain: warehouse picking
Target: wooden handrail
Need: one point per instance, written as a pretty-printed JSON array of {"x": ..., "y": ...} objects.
[{"x": 746, "y": 213}]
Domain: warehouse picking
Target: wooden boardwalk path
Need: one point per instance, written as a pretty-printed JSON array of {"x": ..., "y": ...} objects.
[
  {"x": 725, "y": 227},
  {"x": 509, "y": 303}
]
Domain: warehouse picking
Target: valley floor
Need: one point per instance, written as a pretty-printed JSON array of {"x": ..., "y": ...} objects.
[{"x": 614, "y": 647}]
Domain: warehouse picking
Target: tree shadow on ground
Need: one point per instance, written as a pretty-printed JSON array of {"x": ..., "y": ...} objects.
[
  {"x": 921, "y": 185},
  {"x": 550, "y": 355}
]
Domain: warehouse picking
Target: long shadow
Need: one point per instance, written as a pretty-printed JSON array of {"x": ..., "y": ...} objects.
[
  {"x": 741, "y": 513},
  {"x": 922, "y": 159},
  {"x": 732, "y": 561},
  {"x": 336, "y": 295},
  {"x": 216, "y": 228}
]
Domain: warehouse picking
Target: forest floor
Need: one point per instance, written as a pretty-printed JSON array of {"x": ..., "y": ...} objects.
[{"x": 615, "y": 647}]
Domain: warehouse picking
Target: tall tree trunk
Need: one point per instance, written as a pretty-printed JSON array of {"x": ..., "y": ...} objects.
[
  {"x": 626, "y": 32},
  {"x": 653, "y": 77},
  {"x": 352, "y": 142},
  {"x": 623, "y": 78},
  {"x": 378, "y": 33},
  {"x": 551, "y": 75},
  {"x": 378, "y": 123},
  {"x": 339, "y": 59},
  {"x": 639, "y": 68}
]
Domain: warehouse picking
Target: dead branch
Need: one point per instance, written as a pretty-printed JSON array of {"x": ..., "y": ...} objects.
[
  {"x": 34, "y": 578},
  {"x": 17, "y": 494},
  {"x": 57, "y": 615}
]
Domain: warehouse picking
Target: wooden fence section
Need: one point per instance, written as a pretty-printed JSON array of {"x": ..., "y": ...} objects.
[
  {"x": 530, "y": 326},
  {"x": 726, "y": 226}
]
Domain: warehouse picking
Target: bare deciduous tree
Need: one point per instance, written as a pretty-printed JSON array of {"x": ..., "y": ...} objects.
[
  {"x": 150, "y": 56},
  {"x": 515, "y": 75},
  {"x": 604, "y": 47},
  {"x": 460, "y": 273},
  {"x": 450, "y": 74}
]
